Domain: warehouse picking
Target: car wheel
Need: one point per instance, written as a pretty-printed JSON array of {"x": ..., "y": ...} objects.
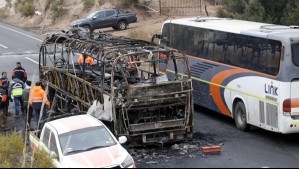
[
  {"x": 241, "y": 117},
  {"x": 122, "y": 25},
  {"x": 88, "y": 28}
]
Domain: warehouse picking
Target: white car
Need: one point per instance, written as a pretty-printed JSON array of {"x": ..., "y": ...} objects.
[{"x": 82, "y": 142}]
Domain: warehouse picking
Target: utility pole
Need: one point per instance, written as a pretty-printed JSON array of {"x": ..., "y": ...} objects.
[
  {"x": 200, "y": 6},
  {"x": 160, "y": 8}
]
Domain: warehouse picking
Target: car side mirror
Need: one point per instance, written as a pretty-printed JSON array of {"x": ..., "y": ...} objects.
[
  {"x": 94, "y": 18},
  {"x": 123, "y": 140}
]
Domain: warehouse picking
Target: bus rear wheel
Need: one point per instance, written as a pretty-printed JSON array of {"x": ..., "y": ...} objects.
[{"x": 241, "y": 117}]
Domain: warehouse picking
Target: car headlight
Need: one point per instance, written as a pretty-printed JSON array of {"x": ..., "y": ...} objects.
[{"x": 128, "y": 162}]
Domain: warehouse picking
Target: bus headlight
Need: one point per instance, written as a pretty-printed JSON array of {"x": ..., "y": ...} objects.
[{"x": 128, "y": 162}]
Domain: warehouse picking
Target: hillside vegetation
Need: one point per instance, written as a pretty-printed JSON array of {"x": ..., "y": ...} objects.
[
  {"x": 55, "y": 13},
  {"x": 285, "y": 12}
]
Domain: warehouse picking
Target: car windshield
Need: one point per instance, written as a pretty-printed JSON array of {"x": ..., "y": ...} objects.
[
  {"x": 92, "y": 15},
  {"x": 85, "y": 140}
]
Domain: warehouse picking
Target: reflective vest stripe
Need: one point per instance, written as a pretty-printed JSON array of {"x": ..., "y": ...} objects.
[
  {"x": 17, "y": 92},
  {"x": 37, "y": 99}
]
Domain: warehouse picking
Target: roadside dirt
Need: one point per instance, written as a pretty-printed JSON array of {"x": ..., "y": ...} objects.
[{"x": 149, "y": 23}]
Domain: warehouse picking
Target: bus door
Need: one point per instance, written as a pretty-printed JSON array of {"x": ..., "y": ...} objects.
[{"x": 295, "y": 98}]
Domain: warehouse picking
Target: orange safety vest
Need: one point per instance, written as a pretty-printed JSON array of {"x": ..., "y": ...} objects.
[
  {"x": 87, "y": 60},
  {"x": 37, "y": 95}
]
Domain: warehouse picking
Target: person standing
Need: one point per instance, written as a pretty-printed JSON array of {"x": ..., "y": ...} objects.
[
  {"x": 3, "y": 100},
  {"x": 36, "y": 98},
  {"x": 16, "y": 90},
  {"x": 4, "y": 82},
  {"x": 19, "y": 72},
  {"x": 29, "y": 111}
]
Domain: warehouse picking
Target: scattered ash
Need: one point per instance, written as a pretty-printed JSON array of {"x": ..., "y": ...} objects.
[{"x": 153, "y": 155}]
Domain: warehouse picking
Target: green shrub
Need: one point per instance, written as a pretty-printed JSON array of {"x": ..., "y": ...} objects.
[
  {"x": 102, "y": 2},
  {"x": 57, "y": 10},
  {"x": 42, "y": 160},
  {"x": 26, "y": 8},
  {"x": 11, "y": 154},
  {"x": 88, "y": 4},
  {"x": 128, "y": 3},
  {"x": 9, "y": 4}
]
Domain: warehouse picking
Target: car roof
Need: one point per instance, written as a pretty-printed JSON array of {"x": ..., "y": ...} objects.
[
  {"x": 105, "y": 10},
  {"x": 73, "y": 123}
]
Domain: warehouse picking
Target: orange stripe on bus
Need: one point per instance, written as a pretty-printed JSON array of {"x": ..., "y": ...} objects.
[
  {"x": 231, "y": 66},
  {"x": 216, "y": 90}
]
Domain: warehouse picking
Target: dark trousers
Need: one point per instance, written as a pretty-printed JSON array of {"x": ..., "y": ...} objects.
[
  {"x": 3, "y": 118},
  {"x": 37, "y": 115},
  {"x": 6, "y": 107},
  {"x": 19, "y": 105},
  {"x": 29, "y": 114}
]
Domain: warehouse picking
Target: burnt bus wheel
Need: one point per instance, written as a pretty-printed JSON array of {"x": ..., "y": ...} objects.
[{"x": 241, "y": 117}]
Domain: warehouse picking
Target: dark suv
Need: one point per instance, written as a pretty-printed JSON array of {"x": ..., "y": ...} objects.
[{"x": 114, "y": 18}]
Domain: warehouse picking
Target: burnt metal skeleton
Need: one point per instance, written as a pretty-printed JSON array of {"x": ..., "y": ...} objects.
[{"x": 141, "y": 90}]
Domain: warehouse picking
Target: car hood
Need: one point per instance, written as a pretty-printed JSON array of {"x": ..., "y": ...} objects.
[
  {"x": 99, "y": 158},
  {"x": 80, "y": 20}
]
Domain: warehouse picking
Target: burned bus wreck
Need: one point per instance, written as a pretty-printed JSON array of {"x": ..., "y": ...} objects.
[{"x": 144, "y": 91}]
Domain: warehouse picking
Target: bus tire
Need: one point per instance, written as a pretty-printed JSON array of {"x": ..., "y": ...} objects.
[{"x": 241, "y": 117}]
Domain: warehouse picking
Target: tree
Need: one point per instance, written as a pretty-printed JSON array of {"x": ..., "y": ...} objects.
[
  {"x": 291, "y": 14},
  {"x": 270, "y": 11}
]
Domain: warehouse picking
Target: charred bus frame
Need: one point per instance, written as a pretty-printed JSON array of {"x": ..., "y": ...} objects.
[{"x": 149, "y": 107}]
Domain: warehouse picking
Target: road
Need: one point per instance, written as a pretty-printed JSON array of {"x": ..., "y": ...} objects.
[
  {"x": 18, "y": 45},
  {"x": 257, "y": 148}
]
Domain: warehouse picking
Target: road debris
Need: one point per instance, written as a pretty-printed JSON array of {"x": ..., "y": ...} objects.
[{"x": 211, "y": 149}]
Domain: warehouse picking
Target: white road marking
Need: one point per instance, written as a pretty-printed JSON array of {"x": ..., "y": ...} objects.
[
  {"x": 21, "y": 33},
  {"x": 3, "y": 46},
  {"x": 32, "y": 60}
]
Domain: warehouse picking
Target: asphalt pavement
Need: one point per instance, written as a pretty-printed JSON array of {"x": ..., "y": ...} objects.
[{"x": 257, "y": 148}]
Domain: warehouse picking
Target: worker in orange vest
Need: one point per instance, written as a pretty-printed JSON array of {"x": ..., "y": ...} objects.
[
  {"x": 36, "y": 98},
  {"x": 88, "y": 59},
  {"x": 3, "y": 113},
  {"x": 133, "y": 66}
]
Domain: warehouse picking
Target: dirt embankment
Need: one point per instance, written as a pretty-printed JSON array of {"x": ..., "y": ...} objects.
[{"x": 42, "y": 22}]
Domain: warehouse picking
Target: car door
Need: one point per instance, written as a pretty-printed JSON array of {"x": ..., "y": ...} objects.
[
  {"x": 53, "y": 149},
  {"x": 45, "y": 138},
  {"x": 99, "y": 20},
  {"x": 111, "y": 18}
]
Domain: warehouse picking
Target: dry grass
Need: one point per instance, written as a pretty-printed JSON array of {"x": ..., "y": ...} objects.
[
  {"x": 11, "y": 154},
  {"x": 140, "y": 34},
  {"x": 3, "y": 13}
]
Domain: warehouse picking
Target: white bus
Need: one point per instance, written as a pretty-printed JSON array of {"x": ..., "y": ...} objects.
[{"x": 246, "y": 70}]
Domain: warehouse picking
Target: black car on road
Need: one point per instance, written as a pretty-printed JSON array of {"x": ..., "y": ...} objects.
[{"x": 114, "y": 18}]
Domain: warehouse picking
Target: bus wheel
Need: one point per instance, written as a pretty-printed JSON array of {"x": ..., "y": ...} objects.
[{"x": 240, "y": 117}]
